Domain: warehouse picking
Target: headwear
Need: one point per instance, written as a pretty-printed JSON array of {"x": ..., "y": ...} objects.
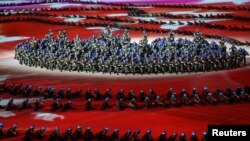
[
  {"x": 43, "y": 128},
  {"x": 137, "y": 131},
  {"x": 69, "y": 101},
  {"x": 149, "y": 130},
  {"x": 1, "y": 124},
  {"x": 57, "y": 128},
  {"x": 164, "y": 133},
  {"x": 14, "y": 125},
  {"x": 107, "y": 99},
  {"x": 32, "y": 127},
  {"x": 116, "y": 130},
  {"x": 79, "y": 127}
]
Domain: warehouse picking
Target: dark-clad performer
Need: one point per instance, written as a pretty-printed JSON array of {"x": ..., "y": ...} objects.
[
  {"x": 30, "y": 133},
  {"x": 12, "y": 131},
  {"x": 105, "y": 105},
  {"x": 39, "y": 134},
  {"x": 163, "y": 136},
  {"x": 55, "y": 135}
]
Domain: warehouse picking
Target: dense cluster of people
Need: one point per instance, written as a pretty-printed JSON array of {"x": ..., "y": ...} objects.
[
  {"x": 140, "y": 13},
  {"x": 198, "y": 23},
  {"x": 109, "y": 53},
  {"x": 88, "y": 135},
  {"x": 131, "y": 100}
]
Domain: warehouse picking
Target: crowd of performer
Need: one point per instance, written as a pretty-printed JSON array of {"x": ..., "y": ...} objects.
[
  {"x": 131, "y": 100},
  {"x": 88, "y": 135},
  {"x": 109, "y": 53}
]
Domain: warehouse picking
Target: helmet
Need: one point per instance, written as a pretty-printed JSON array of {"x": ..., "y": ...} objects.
[
  {"x": 57, "y": 128},
  {"x": 79, "y": 127},
  {"x": 43, "y": 128},
  {"x": 106, "y": 99},
  {"x": 149, "y": 130},
  {"x": 14, "y": 125},
  {"x": 137, "y": 131},
  {"x": 116, "y": 130},
  {"x": 1, "y": 124},
  {"x": 89, "y": 128},
  {"x": 32, "y": 127}
]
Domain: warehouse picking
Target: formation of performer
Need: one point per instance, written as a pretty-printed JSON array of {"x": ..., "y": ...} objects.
[
  {"x": 88, "y": 135},
  {"x": 63, "y": 99},
  {"x": 109, "y": 53}
]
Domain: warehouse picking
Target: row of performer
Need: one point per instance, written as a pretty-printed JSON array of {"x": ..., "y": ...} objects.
[
  {"x": 133, "y": 101},
  {"x": 88, "y": 135}
]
